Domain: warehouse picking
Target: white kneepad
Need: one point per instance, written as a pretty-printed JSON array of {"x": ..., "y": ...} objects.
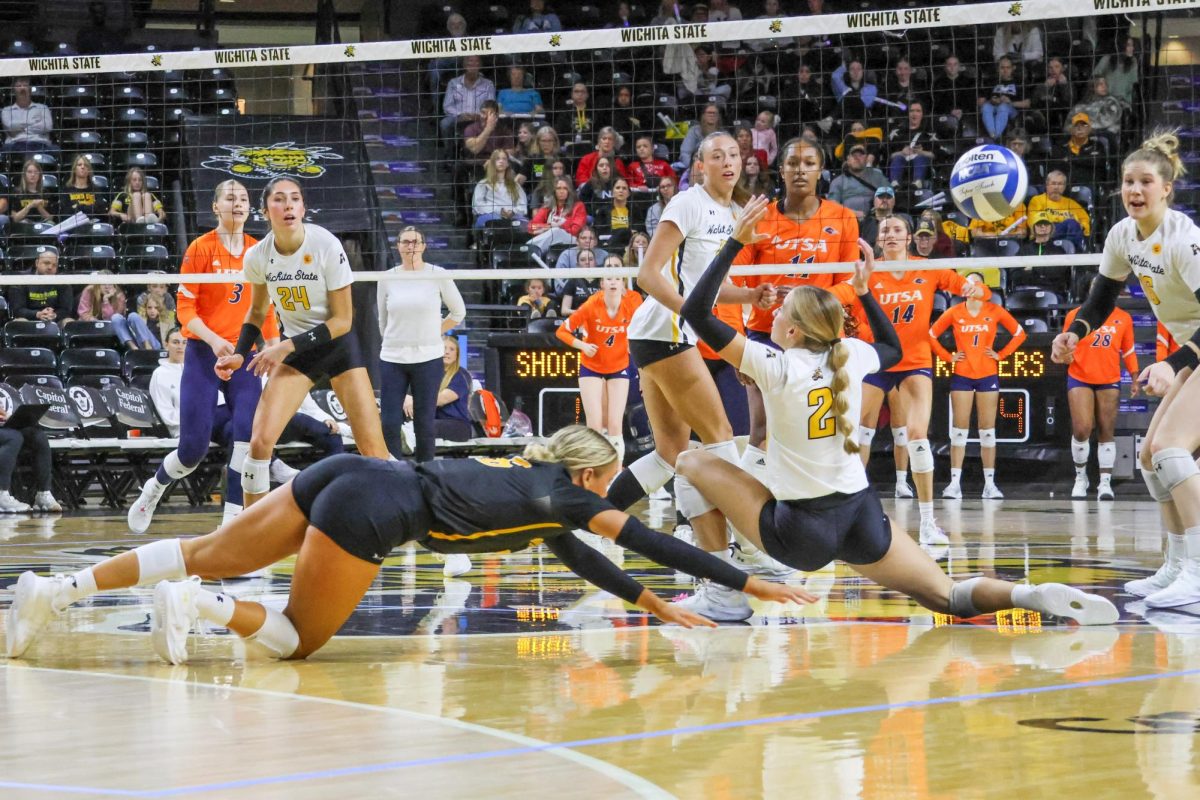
[
  {"x": 865, "y": 435},
  {"x": 237, "y": 459},
  {"x": 256, "y": 475},
  {"x": 688, "y": 499},
  {"x": 900, "y": 436},
  {"x": 958, "y": 437},
  {"x": 920, "y": 456},
  {"x": 1173, "y": 466},
  {"x": 1106, "y": 454},
  {"x": 987, "y": 437},
  {"x": 1159, "y": 492}
]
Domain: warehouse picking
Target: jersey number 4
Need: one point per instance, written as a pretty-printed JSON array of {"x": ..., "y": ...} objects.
[
  {"x": 821, "y": 424},
  {"x": 293, "y": 297}
]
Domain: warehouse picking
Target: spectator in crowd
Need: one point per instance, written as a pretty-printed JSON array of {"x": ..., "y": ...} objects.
[
  {"x": 160, "y": 291},
  {"x": 1021, "y": 41},
  {"x": 710, "y": 122},
  {"x": 538, "y": 20},
  {"x": 569, "y": 258},
  {"x": 535, "y": 297},
  {"x": 98, "y": 36},
  {"x": 1105, "y": 111},
  {"x": 638, "y": 244},
  {"x": 670, "y": 12},
  {"x": 628, "y": 121},
  {"x": 624, "y": 16},
  {"x": 543, "y": 192},
  {"x": 854, "y": 92},
  {"x": 945, "y": 245},
  {"x": 645, "y": 171},
  {"x": 538, "y": 156},
  {"x": 560, "y": 220},
  {"x": 903, "y": 85},
  {"x": 722, "y": 11},
  {"x": 452, "y": 420},
  {"x": 953, "y": 90},
  {"x": 1014, "y": 226},
  {"x": 1053, "y": 97},
  {"x": 27, "y": 125},
  {"x": 1071, "y": 220},
  {"x": 166, "y": 380},
  {"x": 487, "y": 134},
  {"x": 465, "y": 96},
  {"x": 925, "y": 239},
  {"x": 771, "y": 11},
  {"x": 498, "y": 195},
  {"x": 159, "y": 320},
  {"x": 883, "y": 205},
  {"x": 756, "y": 180},
  {"x": 1004, "y": 101},
  {"x": 135, "y": 202},
  {"x": 80, "y": 194},
  {"x": 808, "y": 95},
  {"x": 870, "y": 138},
  {"x": 578, "y": 121},
  {"x": 744, "y": 137},
  {"x": 855, "y": 187},
  {"x": 1121, "y": 72},
  {"x": 32, "y": 202},
  {"x": 519, "y": 98},
  {"x": 1057, "y": 279},
  {"x": 577, "y": 290},
  {"x": 763, "y": 135},
  {"x": 525, "y": 150},
  {"x": 456, "y": 27},
  {"x": 665, "y": 191},
  {"x": 43, "y": 301},
  {"x": 1035, "y": 162},
  {"x": 702, "y": 79},
  {"x": 30, "y": 442},
  {"x": 608, "y": 144},
  {"x": 1082, "y": 157},
  {"x": 598, "y": 190},
  {"x": 910, "y": 148},
  {"x": 104, "y": 301},
  {"x": 616, "y": 218}
]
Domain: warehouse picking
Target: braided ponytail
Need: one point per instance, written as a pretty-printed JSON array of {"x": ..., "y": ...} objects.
[{"x": 839, "y": 354}]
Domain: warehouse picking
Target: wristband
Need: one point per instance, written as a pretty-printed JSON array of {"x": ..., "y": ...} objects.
[
  {"x": 1083, "y": 323},
  {"x": 249, "y": 337},
  {"x": 312, "y": 338},
  {"x": 1187, "y": 356}
]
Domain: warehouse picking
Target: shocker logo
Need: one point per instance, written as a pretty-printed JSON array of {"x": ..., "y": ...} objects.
[
  {"x": 1014, "y": 10},
  {"x": 556, "y": 40},
  {"x": 776, "y": 26},
  {"x": 156, "y": 61},
  {"x": 349, "y": 52},
  {"x": 279, "y": 159}
]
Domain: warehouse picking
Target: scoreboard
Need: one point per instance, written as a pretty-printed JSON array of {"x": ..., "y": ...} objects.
[{"x": 540, "y": 372}]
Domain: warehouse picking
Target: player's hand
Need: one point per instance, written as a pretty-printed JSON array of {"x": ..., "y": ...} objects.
[
  {"x": 266, "y": 360},
  {"x": 678, "y": 615},
  {"x": 1157, "y": 378},
  {"x": 777, "y": 592},
  {"x": 958, "y": 356},
  {"x": 227, "y": 365},
  {"x": 972, "y": 290},
  {"x": 332, "y": 425},
  {"x": 747, "y": 221},
  {"x": 1135, "y": 389},
  {"x": 222, "y": 349},
  {"x": 408, "y": 406},
  {"x": 1062, "y": 350},
  {"x": 863, "y": 269},
  {"x": 763, "y": 296},
  {"x": 992, "y": 354},
  {"x": 589, "y": 349}
]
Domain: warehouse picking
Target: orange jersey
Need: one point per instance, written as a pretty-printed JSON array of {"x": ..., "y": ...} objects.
[
  {"x": 1164, "y": 344},
  {"x": 908, "y": 303},
  {"x": 974, "y": 336},
  {"x": 1098, "y": 355},
  {"x": 731, "y": 315},
  {"x": 607, "y": 332},
  {"x": 220, "y": 306},
  {"x": 829, "y": 236}
]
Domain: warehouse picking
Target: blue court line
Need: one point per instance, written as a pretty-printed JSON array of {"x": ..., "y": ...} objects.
[{"x": 459, "y": 758}]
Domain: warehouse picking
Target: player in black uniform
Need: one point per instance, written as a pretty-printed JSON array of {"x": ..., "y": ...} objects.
[{"x": 343, "y": 515}]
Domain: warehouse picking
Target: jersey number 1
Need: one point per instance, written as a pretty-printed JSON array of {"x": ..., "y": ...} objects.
[
  {"x": 293, "y": 297},
  {"x": 821, "y": 424}
]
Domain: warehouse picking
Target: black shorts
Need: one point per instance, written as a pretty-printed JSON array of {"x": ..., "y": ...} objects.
[
  {"x": 645, "y": 352},
  {"x": 808, "y": 534},
  {"x": 328, "y": 360},
  {"x": 366, "y": 505}
]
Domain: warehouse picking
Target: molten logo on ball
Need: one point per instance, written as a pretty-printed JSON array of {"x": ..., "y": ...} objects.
[{"x": 989, "y": 182}]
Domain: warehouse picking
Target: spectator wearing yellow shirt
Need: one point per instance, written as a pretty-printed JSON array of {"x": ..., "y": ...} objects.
[
  {"x": 1017, "y": 221},
  {"x": 1071, "y": 220}
]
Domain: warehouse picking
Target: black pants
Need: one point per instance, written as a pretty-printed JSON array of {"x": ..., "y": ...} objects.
[
  {"x": 303, "y": 428},
  {"x": 36, "y": 447},
  {"x": 421, "y": 381}
]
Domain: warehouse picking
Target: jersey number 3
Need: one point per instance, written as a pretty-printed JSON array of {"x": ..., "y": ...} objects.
[
  {"x": 293, "y": 297},
  {"x": 821, "y": 424}
]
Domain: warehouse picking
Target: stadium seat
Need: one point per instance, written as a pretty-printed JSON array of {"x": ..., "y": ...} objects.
[
  {"x": 133, "y": 117},
  {"x": 136, "y": 234},
  {"x": 90, "y": 333},
  {"x": 995, "y": 248},
  {"x": 141, "y": 362},
  {"x": 3, "y": 303},
  {"x": 134, "y": 140},
  {"x": 1034, "y": 325},
  {"x": 98, "y": 382},
  {"x": 1067, "y": 245},
  {"x": 31, "y": 234},
  {"x": 139, "y": 158},
  {"x": 128, "y": 94},
  {"x": 77, "y": 95},
  {"x": 1032, "y": 303},
  {"x": 83, "y": 140},
  {"x": 93, "y": 233},
  {"x": 145, "y": 258},
  {"x": 80, "y": 257},
  {"x": 543, "y": 325},
  {"x": 91, "y": 407},
  {"x": 82, "y": 118},
  {"x": 18, "y": 361},
  {"x": 98, "y": 160},
  {"x": 61, "y": 416},
  {"x": 32, "y": 333},
  {"x": 74, "y": 363}
]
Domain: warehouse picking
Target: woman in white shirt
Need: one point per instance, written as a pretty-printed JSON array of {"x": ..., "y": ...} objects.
[
  {"x": 411, "y": 325},
  {"x": 498, "y": 195}
]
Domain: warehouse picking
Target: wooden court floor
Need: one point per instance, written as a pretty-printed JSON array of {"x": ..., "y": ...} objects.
[{"x": 519, "y": 680}]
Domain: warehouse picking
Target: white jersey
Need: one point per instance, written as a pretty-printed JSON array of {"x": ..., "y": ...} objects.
[
  {"x": 299, "y": 284},
  {"x": 706, "y": 226},
  {"x": 805, "y": 456},
  {"x": 1167, "y": 264}
]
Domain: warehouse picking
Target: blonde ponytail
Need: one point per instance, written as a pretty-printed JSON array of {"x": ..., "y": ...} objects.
[
  {"x": 1160, "y": 151},
  {"x": 839, "y": 354},
  {"x": 576, "y": 447}
]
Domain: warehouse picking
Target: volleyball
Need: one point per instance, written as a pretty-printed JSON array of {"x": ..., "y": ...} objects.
[{"x": 989, "y": 182}]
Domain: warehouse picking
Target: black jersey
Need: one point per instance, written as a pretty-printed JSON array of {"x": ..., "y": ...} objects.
[{"x": 496, "y": 505}]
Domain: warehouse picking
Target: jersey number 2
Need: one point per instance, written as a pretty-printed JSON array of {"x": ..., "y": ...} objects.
[
  {"x": 293, "y": 297},
  {"x": 821, "y": 424}
]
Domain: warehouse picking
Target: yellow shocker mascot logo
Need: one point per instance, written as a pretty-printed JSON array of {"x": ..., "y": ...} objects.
[{"x": 280, "y": 159}]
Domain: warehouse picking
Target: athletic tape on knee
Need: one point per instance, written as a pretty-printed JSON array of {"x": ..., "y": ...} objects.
[
  {"x": 1106, "y": 454},
  {"x": 1159, "y": 492},
  {"x": 900, "y": 436},
  {"x": 175, "y": 468},
  {"x": 1173, "y": 466},
  {"x": 726, "y": 451},
  {"x": 651, "y": 472},
  {"x": 958, "y": 436},
  {"x": 1080, "y": 450},
  {"x": 754, "y": 461},
  {"x": 920, "y": 456},
  {"x": 256, "y": 475},
  {"x": 688, "y": 499},
  {"x": 160, "y": 561},
  {"x": 865, "y": 435},
  {"x": 237, "y": 458},
  {"x": 961, "y": 604},
  {"x": 987, "y": 437},
  {"x": 277, "y": 634}
]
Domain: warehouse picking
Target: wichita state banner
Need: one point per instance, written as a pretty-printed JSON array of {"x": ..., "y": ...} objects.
[{"x": 325, "y": 156}]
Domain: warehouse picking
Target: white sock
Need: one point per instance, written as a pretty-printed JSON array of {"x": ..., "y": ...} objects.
[
  {"x": 1080, "y": 470},
  {"x": 1023, "y": 596},
  {"x": 231, "y": 511},
  {"x": 1105, "y": 477},
  {"x": 174, "y": 467},
  {"x": 901, "y": 476},
  {"x": 75, "y": 588},
  {"x": 955, "y": 474},
  {"x": 1176, "y": 547},
  {"x": 989, "y": 476},
  {"x": 926, "y": 511},
  {"x": 1191, "y": 541},
  {"x": 215, "y": 607}
]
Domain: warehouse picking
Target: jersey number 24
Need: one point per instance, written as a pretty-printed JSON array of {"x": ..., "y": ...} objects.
[{"x": 293, "y": 297}]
